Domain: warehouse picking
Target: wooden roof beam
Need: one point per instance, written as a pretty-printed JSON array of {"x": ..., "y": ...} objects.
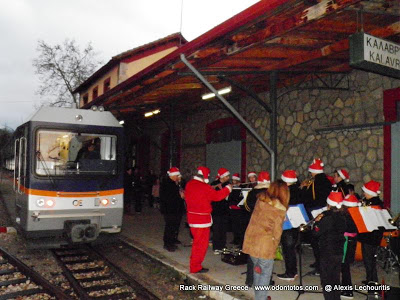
[{"x": 340, "y": 46}]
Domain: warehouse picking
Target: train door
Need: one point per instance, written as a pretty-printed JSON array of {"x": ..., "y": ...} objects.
[{"x": 20, "y": 177}]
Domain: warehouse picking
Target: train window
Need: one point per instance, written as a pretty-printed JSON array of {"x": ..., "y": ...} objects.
[{"x": 63, "y": 152}]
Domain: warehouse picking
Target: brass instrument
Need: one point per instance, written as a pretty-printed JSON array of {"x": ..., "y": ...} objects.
[
  {"x": 309, "y": 225},
  {"x": 394, "y": 221},
  {"x": 307, "y": 183}
]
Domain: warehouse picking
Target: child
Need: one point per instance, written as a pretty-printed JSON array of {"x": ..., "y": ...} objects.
[
  {"x": 350, "y": 245},
  {"x": 329, "y": 228}
]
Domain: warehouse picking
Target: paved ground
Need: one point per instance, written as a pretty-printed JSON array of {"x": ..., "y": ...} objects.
[{"x": 146, "y": 230}]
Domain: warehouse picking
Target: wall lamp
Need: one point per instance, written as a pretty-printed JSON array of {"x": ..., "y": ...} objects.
[
  {"x": 152, "y": 113},
  {"x": 223, "y": 91}
]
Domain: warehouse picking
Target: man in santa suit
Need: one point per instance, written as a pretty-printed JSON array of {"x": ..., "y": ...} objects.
[{"x": 198, "y": 197}]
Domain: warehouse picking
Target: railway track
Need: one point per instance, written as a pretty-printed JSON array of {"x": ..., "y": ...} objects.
[
  {"x": 18, "y": 281},
  {"x": 92, "y": 276}
]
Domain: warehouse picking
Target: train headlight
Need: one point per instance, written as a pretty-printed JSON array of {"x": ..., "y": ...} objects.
[
  {"x": 114, "y": 201},
  {"x": 40, "y": 202},
  {"x": 50, "y": 203},
  {"x": 104, "y": 202}
]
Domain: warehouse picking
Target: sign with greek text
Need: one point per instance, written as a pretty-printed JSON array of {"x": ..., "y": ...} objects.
[{"x": 374, "y": 54}]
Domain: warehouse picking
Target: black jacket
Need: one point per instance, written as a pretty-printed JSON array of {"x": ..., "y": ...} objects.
[
  {"x": 330, "y": 230},
  {"x": 341, "y": 186},
  {"x": 294, "y": 194},
  {"x": 170, "y": 199},
  {"x": 322, "y": 189},
  {"x": 374, "y": 237},
  {"x": 251, "y": 199},
  {"x": 220, "y": 208}
]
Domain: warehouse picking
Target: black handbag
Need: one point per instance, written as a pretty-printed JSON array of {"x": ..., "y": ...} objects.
[{"x": 234, "y": 257}]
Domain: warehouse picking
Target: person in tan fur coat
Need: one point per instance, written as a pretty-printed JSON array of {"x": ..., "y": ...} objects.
[{"x": 264, "y": 232}]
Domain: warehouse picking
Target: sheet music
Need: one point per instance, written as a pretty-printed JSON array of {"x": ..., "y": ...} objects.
[
  {"x": 383, "y": 217},
  {"x": 316, "y": 212},
  {"x": 295, "y": 216},
  {"x": 370, "y": 218},
  {"x": 245, "y": 192}
]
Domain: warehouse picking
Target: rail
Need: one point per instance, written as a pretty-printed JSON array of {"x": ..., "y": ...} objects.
[{"x": 19, "y": 280}]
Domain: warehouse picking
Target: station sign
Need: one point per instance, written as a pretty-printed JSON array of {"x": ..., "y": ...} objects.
[{"x": 373, "y": 54}]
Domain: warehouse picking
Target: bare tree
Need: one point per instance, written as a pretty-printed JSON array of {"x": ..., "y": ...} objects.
[{"x": 62, "y": 68}]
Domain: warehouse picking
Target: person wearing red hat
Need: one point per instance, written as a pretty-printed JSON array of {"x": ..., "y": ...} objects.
[
  {"x": 290, "y": 236},
  {"x": 342, "y": 177},
  {"x": 263, "y": 183},
  {"x": 236, "y": 215},
  {"x": 329, "y": 229},
  {"x": 199, "y": 196},
  {"x": 252, "y": 176},
  {"x": 350, "y": 244},
  {"x": 172, "y": 207},
  {"x": 370, "y": 241},
  {"x": 313, "y": 193},
  {"x": 220, "y": 213}
]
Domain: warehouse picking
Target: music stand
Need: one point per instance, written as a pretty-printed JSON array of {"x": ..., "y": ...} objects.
[{"x": 301, "y": 291}]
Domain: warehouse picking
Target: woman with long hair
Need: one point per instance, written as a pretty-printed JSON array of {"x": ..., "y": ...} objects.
[{"x": 264, "y": 232}]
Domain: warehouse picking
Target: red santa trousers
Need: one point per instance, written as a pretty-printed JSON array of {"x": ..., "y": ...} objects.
[{"x": 201, "y": 238}]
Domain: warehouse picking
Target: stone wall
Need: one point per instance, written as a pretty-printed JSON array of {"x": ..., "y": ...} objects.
[{"x": 300, "y": 113}]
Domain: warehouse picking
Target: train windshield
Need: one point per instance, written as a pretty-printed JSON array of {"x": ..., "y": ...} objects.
[{"x": 60, "y": 153}]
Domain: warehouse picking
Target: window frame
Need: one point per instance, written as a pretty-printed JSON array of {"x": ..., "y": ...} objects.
[{"x": 107, "y": 84}]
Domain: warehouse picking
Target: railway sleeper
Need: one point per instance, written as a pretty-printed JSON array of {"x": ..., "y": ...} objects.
[{"x": 22, "y": 293}]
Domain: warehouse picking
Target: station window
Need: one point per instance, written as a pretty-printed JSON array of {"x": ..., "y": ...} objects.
[
  {"x": 226, "y": 134},
  {"x": 107, "y": 84},
  {"x": 85, "y": 99},
  {"x": 95, "y": 92}
]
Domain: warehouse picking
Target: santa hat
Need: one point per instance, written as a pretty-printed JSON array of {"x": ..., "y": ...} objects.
[
  {"x": 173, "y": 171},
  {"x": 236, "y": 176},
  {"x": 204, "y": 171},
  {"x": 252, "y": 174},
  {"x": 335, "y": 199},
  {"x": 316, "y": 167},
  {"x": 222, "y": 172},
  {"x": 344, "y": 174},
  {"x": 351, "y": 201},
  {"x": 372, "y": 188},
  {"x": 289, "y": 176},
  {"x": 332, "y": 180},
  {"x": 263, "y": 176}
]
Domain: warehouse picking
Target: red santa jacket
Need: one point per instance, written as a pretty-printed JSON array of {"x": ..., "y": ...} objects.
[{"x": 198, "y": 197}]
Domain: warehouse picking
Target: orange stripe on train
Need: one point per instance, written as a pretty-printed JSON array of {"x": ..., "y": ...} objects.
[{"x": 71, "y": 194}]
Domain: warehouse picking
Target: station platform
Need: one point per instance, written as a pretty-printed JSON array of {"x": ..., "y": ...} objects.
[{"x": 145, "y": 232}]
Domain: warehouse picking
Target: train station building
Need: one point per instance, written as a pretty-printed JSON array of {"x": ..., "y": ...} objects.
[{"x": 272, "y": 88}]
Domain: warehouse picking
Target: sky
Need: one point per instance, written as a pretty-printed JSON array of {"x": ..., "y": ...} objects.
[{"x": 111, "y": 26}]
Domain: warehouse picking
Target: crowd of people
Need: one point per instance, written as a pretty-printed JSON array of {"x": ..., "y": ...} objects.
[{"x": 256, "y": 221}]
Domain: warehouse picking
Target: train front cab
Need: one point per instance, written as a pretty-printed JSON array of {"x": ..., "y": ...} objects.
[{"x": 63, "y": 197}]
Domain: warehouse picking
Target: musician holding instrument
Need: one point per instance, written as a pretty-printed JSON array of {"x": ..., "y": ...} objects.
[
  {"x": 341, "y": 177},
  {"x": 329, "y": 229},
  {"x": 370, "y": 241},
  {"x": 252, "y": 176},
  {"x": 237, "y": 216},
  {"x": 290, "y": 236},
  {"x": 313, "y": 193},
  {"x": 220, "y": 213}
]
